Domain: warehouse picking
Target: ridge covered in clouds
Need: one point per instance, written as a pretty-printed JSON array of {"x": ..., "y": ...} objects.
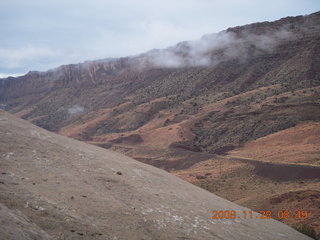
[
  {"x": 214, "y": 48},
  {"x": 41, "y": 35},
  {"x": 237, "y": 43},
  {"x": 234, "y": 43}
]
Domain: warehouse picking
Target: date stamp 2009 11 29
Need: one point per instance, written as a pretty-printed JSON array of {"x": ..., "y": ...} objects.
[{"x": 281, "y": 214}]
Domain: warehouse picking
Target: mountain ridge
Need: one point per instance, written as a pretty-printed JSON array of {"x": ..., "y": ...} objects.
[
  {"x": 268, "y": 67},
  {"x": 133, "y": 92}
]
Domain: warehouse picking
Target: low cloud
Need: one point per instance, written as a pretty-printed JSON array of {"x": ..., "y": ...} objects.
[
  {"x": 5, "y": 75},
  {"x": 215, "y": 48},
  {"x": 75, "y": 110}
]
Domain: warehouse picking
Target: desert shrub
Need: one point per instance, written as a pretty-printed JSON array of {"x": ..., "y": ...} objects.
[
  {"x": 200, "y": 177},
  {"x": 105, "y": 145},
  {"x": 307, "y": 230}
]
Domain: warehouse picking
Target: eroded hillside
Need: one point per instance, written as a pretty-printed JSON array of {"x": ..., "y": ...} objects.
[
  {"x": 53, "y": 187},
  {"x": 213, "y": 94}
]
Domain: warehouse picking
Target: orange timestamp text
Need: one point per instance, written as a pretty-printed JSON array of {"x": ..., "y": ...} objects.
[{"x": 281, "y": 214}]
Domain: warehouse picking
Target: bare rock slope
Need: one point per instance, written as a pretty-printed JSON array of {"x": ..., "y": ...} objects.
[{"x": 54, "y": 187}]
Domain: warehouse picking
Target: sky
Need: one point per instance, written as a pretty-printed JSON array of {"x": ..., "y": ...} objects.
[{"x": 37, "y": 35}]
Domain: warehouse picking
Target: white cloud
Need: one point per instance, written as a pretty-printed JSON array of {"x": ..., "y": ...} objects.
[
  {"x": 75, "y": 110},
  {"x": 5, "y": 75},
  {"x": 198, "y": 53}
]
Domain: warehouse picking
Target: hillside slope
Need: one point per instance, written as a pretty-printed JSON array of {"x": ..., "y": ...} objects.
[
  {"x": 299, "y": 144},
  {"x": 56, "y": 187}
]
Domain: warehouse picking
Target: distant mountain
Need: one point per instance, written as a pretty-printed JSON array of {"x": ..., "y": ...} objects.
[{"x": 220, "y": 91}]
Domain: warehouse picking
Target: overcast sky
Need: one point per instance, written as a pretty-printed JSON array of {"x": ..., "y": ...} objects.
[{"x": 43, "y": 34}]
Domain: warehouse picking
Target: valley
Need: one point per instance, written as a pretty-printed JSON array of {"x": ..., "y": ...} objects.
[{"x": 239, "y": 118}]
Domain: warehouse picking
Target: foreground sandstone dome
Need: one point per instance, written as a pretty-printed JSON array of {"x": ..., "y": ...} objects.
[{"x": 54, "y": 187}]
